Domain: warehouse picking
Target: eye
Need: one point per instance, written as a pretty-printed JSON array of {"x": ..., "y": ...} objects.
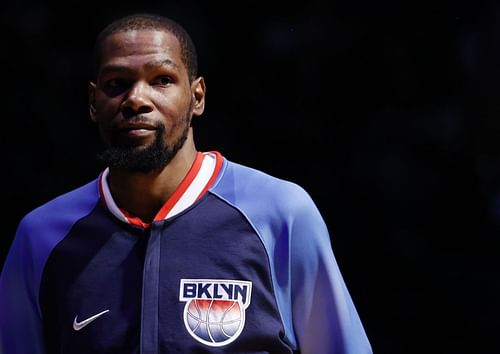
[
  {"x": 162, "y": 80},
  {"x": 115, "y": 86}
]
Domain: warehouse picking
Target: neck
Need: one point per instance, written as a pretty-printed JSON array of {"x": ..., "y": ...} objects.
[{"x": 143, "y": 194}]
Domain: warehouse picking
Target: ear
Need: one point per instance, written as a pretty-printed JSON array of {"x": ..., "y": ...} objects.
[
  {"x": 199, "y": 89},
  {"x": 92, "y": 110}
]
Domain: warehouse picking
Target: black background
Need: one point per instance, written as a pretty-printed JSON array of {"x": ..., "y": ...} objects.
[{"x": 385, "y": 112}]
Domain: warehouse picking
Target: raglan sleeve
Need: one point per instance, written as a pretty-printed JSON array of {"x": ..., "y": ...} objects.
[
  {"x": 20, "y": 319},
  {"x": 325, "y": 319}
]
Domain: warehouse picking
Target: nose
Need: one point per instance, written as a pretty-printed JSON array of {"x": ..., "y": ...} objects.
[{"x": 137, "y": 100}]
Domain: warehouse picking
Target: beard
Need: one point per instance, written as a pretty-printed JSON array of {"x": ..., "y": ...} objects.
[{"x": 144, "y": 159}]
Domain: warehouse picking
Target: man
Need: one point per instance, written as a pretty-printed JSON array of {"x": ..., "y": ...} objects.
[{"x": 171, "y": 250}]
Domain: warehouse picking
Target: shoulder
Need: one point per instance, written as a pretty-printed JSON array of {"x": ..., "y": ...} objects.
[
  {"x": 266, "y": 201},
  {"x": 43, "y": 228},
  {"x": 65, "y": 208},
  {"x": 238, "y": 183}
]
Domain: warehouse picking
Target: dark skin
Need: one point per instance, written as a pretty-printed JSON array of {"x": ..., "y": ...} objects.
[{"x": 141, "y": 81}]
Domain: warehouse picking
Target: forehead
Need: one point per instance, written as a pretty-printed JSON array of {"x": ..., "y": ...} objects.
[{"x": 140, "y": 46}]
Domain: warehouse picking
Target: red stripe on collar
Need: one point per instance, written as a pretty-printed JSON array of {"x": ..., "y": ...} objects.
[{"x": 174, "y": 198}]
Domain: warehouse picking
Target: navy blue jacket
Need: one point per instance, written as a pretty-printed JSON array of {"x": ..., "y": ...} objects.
[{"x": 237, "y": 261}]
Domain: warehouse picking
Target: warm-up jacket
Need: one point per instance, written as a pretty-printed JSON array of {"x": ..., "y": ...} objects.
[{"x": 236, "y": 261}]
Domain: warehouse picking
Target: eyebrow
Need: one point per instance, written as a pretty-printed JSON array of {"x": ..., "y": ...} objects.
[
  {"x": 150, "y": 65},
  {"x": 160, "y": 63}
]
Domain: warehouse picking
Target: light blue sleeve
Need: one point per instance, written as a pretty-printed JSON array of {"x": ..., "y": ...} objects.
[
  {"x": 316, "y": 308},
  {"x": 325, "y": 319},
  {"x": 21, "y": 330},
  {"x": 20, "y": 319}
]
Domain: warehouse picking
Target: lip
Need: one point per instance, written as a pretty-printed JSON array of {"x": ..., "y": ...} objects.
[
  {"x": 136, "y": 129},
  {"x": 137, "y": 133},
  {"x": 136, "y": 126}
]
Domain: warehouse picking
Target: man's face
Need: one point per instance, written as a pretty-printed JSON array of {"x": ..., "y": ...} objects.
[{"x": 142, "y": 100}]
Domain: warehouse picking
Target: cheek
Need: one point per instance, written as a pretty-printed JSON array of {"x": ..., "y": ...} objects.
[
  {"x": 173, "y": 103},
  {"x": 106, "y": 104},
  {"x": 104, "y": 132},
  {"x": 103, "y": 122}
]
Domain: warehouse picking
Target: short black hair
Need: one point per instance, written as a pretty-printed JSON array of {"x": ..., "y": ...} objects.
[{"x": 145, "y": 21}]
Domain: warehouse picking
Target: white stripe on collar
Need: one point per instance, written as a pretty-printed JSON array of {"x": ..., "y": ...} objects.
[
  {"x": 196, "y": 187},
  {"x": 108, "y": 199},
  {"x": 191, "y": 194}
]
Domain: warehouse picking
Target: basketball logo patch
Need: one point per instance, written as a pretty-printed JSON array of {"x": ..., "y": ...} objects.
[{"x": 214, "y": 313}]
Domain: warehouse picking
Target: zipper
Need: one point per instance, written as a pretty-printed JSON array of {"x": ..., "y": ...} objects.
[{"x": 150, "y": 290}]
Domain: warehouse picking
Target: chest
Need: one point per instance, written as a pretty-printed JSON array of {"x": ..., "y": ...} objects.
[{"x": 198, "y": 282}]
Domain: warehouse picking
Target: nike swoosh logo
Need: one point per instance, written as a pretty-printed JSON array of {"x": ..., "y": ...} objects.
[{"x": 79, "y": 325}]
